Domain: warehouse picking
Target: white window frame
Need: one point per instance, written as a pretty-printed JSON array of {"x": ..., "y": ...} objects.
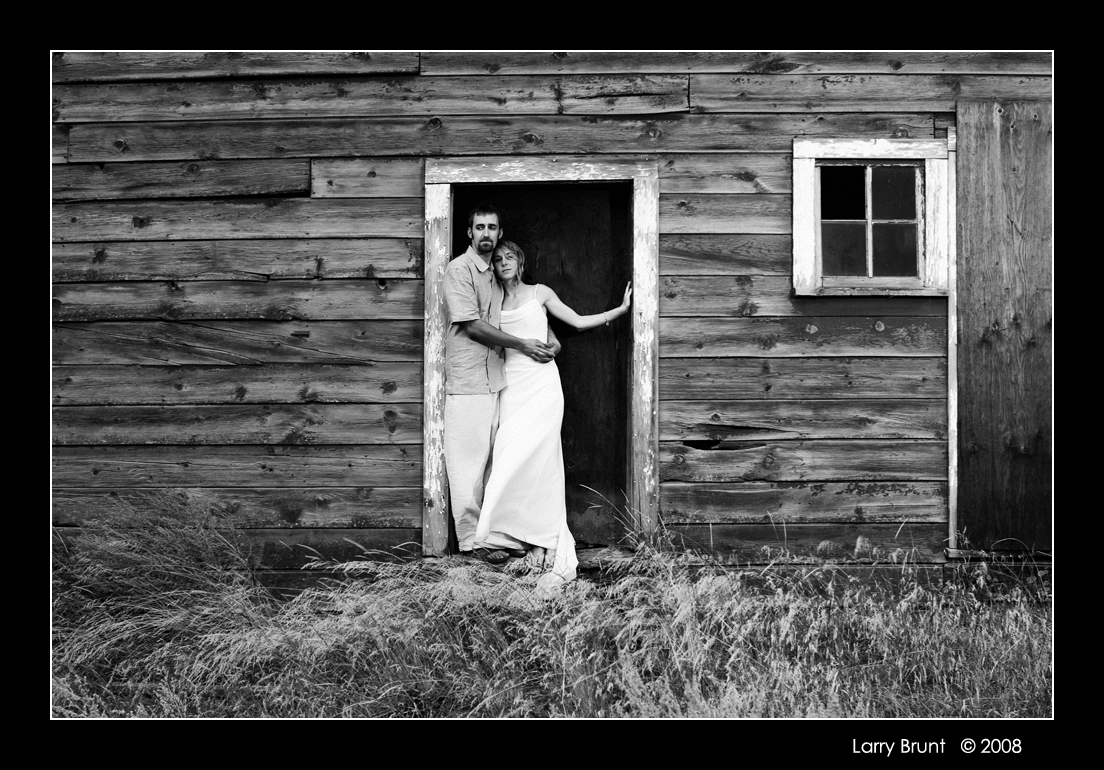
[{"x": 933, "y": 211}]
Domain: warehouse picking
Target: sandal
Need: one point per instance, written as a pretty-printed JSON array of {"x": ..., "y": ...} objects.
[{"x": 488, "y": 555}]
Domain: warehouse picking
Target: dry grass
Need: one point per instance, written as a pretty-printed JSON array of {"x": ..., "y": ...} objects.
[{"x": 156, "y": 614}]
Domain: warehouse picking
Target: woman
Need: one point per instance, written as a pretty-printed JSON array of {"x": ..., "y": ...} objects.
[{"x": 524, "y": 507}]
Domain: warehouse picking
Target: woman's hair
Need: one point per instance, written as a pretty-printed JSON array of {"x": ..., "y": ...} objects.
[{"x": 511, "y": 246}]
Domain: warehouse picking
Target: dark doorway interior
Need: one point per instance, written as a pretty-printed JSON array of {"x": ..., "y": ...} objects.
[{"x": 577, "y": 239}]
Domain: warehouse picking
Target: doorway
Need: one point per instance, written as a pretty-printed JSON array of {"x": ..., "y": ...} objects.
[
  {"x": 577, "y": 239},
  {"x": 587, "y": 227}
]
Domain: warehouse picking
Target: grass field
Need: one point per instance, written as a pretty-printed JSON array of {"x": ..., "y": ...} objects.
[{"x": 157, "y": 614}]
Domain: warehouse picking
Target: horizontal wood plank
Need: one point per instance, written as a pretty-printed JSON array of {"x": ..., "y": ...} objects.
[
  {"x": 688, "y": 379},
  {"x": 274, "y": 300},
  {"x": 244, "y": 424},
  {"x": 756, "y": 295},
  {"x": 397, "y": 177},
  {"x": 707, "y": 213},
  {"x": 725, "y": 254},
  {"x": 774, "y": 62},
  {"x": 244, "y": 343},
  {"x": 298, "y": 548},
  {"x": 736, "y": 173},
  {"x": 109, "y": 467},
  {"x": 812, "y": 336},
  {"x": 845, "y": 418},
  {"x": 260, "y": 342},
  {"x": 761, "y": 544},
  {"x": 448, "y": 136},
  {"x": 783, "y": 504},
  {"x": 148, "y": 220},
  {"x": 258, "y": 260},
  {"x": 187, "y": 179},
  {"x": 121, "y": 66},
  {"x": 631, "y": 94},
  {"x": 856, "y": 93},
  {"x": 284, "y": 549},
  {"x": 377, "y": 383},
  {"x": 350, "y": 97},
  {"x": 367, "y": 178},
  {"x": 320, "y": 507},
  {"x": 823, "y": 460}
]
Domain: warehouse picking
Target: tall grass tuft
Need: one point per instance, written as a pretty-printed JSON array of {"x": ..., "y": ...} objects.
[
  {"x": 158, "y": 615},
  {"x": 134, "y": 595}
]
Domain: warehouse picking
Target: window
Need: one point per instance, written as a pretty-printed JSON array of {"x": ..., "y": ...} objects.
[{"x": 871, "y": 216}]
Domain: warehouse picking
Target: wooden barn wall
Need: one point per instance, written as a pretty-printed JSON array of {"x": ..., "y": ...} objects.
[
  {"x": 237, "y": 285},
  {"x": 1006, "y": 350}
]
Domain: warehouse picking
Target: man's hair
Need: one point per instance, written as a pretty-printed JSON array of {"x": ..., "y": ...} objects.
[
  {"x": 483, "y": 209},
  {"x": 511, "y": 246}
]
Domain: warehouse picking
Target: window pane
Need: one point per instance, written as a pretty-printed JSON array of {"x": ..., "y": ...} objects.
[
  {"x": 843, "y": 248},
  {"x": 842, "y": 192},
  {"x": 895, "y": 250},
  {"x": 893, "y": 189}
]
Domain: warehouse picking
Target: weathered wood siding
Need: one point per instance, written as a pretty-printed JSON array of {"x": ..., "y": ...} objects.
[
  {"x": 1006, "y": 314},
  {"x": 238, "y": 287}
]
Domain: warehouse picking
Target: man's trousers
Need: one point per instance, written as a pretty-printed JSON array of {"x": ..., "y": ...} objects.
[{"x": 471, "y": 422}]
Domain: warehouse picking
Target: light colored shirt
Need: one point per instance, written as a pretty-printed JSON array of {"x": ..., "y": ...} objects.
[{"x": 472, "y": 293}]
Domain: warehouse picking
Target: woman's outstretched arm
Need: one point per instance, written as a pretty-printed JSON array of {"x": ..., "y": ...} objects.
[{"x": 559, "y": 310}]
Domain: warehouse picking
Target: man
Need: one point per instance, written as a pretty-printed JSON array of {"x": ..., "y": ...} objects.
[{"x": 474, "y": 374}]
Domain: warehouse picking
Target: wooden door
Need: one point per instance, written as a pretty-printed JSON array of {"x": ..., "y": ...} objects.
[
  {"x": 1004, "y": 312},
  {"x": 577, "y": 240}
]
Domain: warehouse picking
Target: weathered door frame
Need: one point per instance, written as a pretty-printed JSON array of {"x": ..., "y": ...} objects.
[
  {"x": 952, "y": 341},
  {"x": 643, "y": 427}
]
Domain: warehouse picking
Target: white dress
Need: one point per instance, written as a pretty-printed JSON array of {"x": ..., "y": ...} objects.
[{"x": 525, "y": 498}]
